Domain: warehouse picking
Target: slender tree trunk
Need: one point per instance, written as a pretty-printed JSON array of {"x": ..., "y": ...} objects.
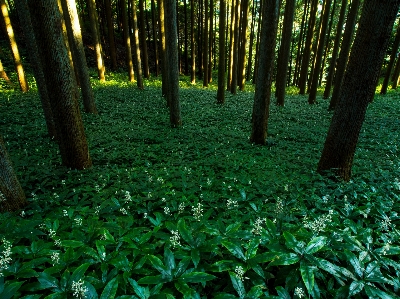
[
  {"x": 243, "y": 43},
  {"x": 358, "y": 88},
  {"x": 12, "y": 197},
  {"x": 284, "y": 52},
  {"x": 205, "y": 45},
  {"x": 231, "y": 49},
  {"x": 335, "y": 51},
  {"x": 164, "y": 88},
  {"x": 396, "y": 74},
  {"x": 320, "y": 52},
  {"x": 172, "y": 63},
  {"x": 143, "y": 42},
  {"x": 186, "y": 39},
  {"x": 111, "y": 41},
  {"x": 192, "y": 48},
  {"x": 210, "y": 41},
  {"x": 258, "y": 43},
  {"x": 60, "y": 84},
  {"x": 135, "y": 38},
  {"x": 262, "y": 93},
  {"x": 221, "y": 61},
  {"x": 23, "y": 83},
  {"x": 235, "y": 43},
  {"x": 4, "y": 75},
  {"x": 391, "y": 62},
  {"x": 250, "y": 60},
  {"x": 299, "y": 55},
  {"x": 75, "y": 35},
  {"x": 344, "y": 52},
  {"x": 127, "y": 40},
  {"x": 96, "y": 38},
  {"x": 200, "y": 38}
]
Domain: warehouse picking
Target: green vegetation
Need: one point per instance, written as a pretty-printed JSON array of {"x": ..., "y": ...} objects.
[{"x": 200, "y": 211}]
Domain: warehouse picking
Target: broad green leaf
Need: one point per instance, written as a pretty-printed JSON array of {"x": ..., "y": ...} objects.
[
  {"x": 291, "y": 241},
  {"x": 169, "y": 259},
  {"x": 91, "y": 291},
  {"x": 27, "y": 273},
  {"x": 151, "y": 280},
  {"x": 284, "y": 259},
  {"x": 146, "y": 237},
  {"x": 255, "y": 292},
  {"x": 186, "y": 291},
  {"x": 282, "y": 293},
  {"x": 185, "y": 233},
  {"x": 182, "y": 266},
  {"x": 225, "y": 296},
  {"x": 356, "y": 287},
  {"x": 72, "y": 243},
  {"x": 78, "y": 273},
  {"x": 48, "y": 281},
  {"x": 235, "y": 249},
  {"x": 196, "y": 277},
  {"x": 158, "y": 265},
  {"x": 11, "y": 289},
  {"x": 110, "y": 290},
  {"x": 258, "y": 270},
  {"x": 237, "y": 284},
  {"x": 263, "y": 257},
  {"x": 357, "y": 265},
  {"x": 252, "y": 248},
  {"x": 143, "y": 293},
  {"x": 307, "y": 273},
  {"x": 374, "y": 292},
  {"x": 315, "y": 245},
  {"x": 195, "y": 254}
]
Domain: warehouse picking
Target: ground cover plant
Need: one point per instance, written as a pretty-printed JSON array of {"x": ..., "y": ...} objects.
[{"x": 199, "y": 212}]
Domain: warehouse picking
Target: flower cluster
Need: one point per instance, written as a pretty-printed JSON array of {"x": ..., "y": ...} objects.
[
  {"x": 240, "y": 272},
  {"x": 2, "y": 197},
  {"x": 123, "y": 211},
  {"x": 257, "y": 226},
  {"x": 175, "y": 239},
  {"x": 181, "y": 208},
  {"x": 279, "y": 207},
  {"x": 127, "y": 197},
  {"x": 52, "y": 233},
  {"x": 79, "y": 289},
  {"x": 5, "y": 258},
  {"x": 385, "y": 224},
  {"x": 299, "y": 292},
  {"x": 197, "y": 211},
  {"x": 319, "y": 224},
  {"x": 396, "y": 184},
  {"x": 231, "y": 204},
  {"x": 55, "y": 258},
  {"x": 78, "y": 221},
  {"x": 167, "y": 211}
]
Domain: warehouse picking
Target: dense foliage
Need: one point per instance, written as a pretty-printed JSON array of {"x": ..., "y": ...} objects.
[{"x": 199, "y": 212}]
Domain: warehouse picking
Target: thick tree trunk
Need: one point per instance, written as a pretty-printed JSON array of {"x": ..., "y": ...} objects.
[
  {"x": 221, "y": 61},
  {"x": 284, "y": 52},
  {"x": 243, "y": 43},
  {"x": 358, "y": 88},
  {"x": 127, "y": 40},
  {"x": 391, "y": 62},
  {"x": 60, "y": 84},
  {"x": 164, "y": 87},
  {"x": 172, "y": 63},
  {"x": 320, "y": 52},
  {"x": 135, "y": 38},
  {"x": 143, "y": 42},
  {"x": 335, "y": 51},
  {"x": 111, "y": 41},
  {"x": 12, "y": 197},
  {"x": 23, "y": 83},
  {"x": 153, "y": 19},
  {"x": 101, "y": 69},
  {"x": 205, "y": 45},
  {"x": 262, "y": 93},
  {"x": 75, "y": 35},
  {"x": 344, "y": 52},
  {"x": 192, "y": 48}
]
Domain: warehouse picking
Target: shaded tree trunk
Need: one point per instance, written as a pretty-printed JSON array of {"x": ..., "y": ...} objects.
[
  {"x": 192, "y": 48},
  {"x": 111, "y": 40},
  {"x": 250, "y": 60},
  {"x": 186, "y": 39},
  {"x": 222, "y": 50},
  {"x": 101, "y": 69},
  {"x": 284, "y": 52},
  {"x": 153, "y": 19},
  {"x": 299, "y": 55},
  {"x": 262, "y": 93},
  {"x": 396, "y": 74},
  {"x": 391, "y": 62},
  {"x": 258, "y": 42},
  {"x": 135, "y": 38},
  {"x": 210, "y": 41},
  {"x": 23, "y": 83},
  {"x": 60, "y": 84},
  {"x": 143, "y": 42},
  {"x": 231, "y": 42},
  {"x": 12, "y": 197},
  {"x": 235, "y": 46},
  {"x": 4, "y": 75},
  {"x": 243, "y": 42},
  {"x": 127, "y": 40},
  {"x": 358, "y": 88},
  {"x": 205, "y": 45},
  {"x": 161, "y": 10}
]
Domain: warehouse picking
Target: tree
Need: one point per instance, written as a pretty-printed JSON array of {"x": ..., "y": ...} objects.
[
  {"x": 143, "y": 42},
  {"x": 373, "y": 34},
  {"x": 60, "y": 84},
  {"x": 344, "y": 52},
  {"x": 161, "y": 10},
  {"x": 205, "y": 46},
  {"x": 235, "y": 47},
  {"x": 3, "y": 75},
  {"x": 250, "y": 59},
  {"x": 231, "y": 47},
  {"x": 284, "y": 52},
  {"x": 101, "y": 69},
  {"x": 135, "y": 37},
  {"x": 12, "y": 197},
  {"x": 110, "y": 29},
  {"x": 153, "y": 19},
  {"x": 262, "y": 93},
  {"x": 221, "y": 62},
  {"x": 396, "y": 74},
  {"x": 14, "y": 48},
  {"x": 74, "y": 33},
  {"x": 171, "y": 35},
  {"x": 192, "y": 48},
  {"x": 391, "y": 61},
  {"x": 127, "y": 40},
  {"x": 243, "y": 42}
]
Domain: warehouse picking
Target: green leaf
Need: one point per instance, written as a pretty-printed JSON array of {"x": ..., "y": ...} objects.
[
  {"x": 110, "y": 290},
  {"x": 78, "y": 273},
  {"x": 185, "y": 233},
  {"x": 263, "y": 257},
  {"x": 284, "y": 259},
  {"x": 181, "y": 268},
  {"x": 151, "y": 280},
  {"x": 315, "y": 245},
  {"x": 374, "y": 292},
  {"x": 195, "y": 254},
  {"x": 356, "y": 287},
  {"x": 291, "y": 241},
  {"x": 146, "y": 237},
  {"x": 307, "y": 273},
  {"x": 91, "y": 291},
  {"x": 258, "y": 270},
  {"x": 235, "y": 249},
  {"x": 225, "y": 296},
  {"x": 158, "y": 265},
  {"x": 186, "y": 291},
  {"x": 48, "y": 281},
  {"x": 169, "y": 259},
  {"x": 252, "y": 248},
  {"x": 142, "y": 292},
  {"x": 196, "y": 277},
  {"x": 282, "y": 293},
  {"x": 237, "y": 284},
  {"x": 11, "y": 289},
  {"x": 357, "y": 265},
  {"x": 72, "y": 243},
  {"x": 255, "y": 292}
]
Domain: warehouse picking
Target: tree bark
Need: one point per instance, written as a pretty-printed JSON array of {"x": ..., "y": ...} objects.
[
  {"x": 262, "y": 93},
  {"x": 299, "y": 55},
  {"x": 391, "y": 62},
  {"x": 231, "y": 42},
  {"x": 172, "y": 63},
  {"x": 235, "y": 46},
  {"x": 164, "y": 86},
  {"x": 284, "y": 52},
  {"x": 186, "y": 39},
  {"x": 257, "y": 43},
  {"x": 243, "y": 42},
  {"x": 221, "y": 61},
  {"x": 344, "y": 52},
  {"x": 23, "y": 83},
  {"x": 358, "y": 88},
  {"x": 127, "y": 40},
  {"x": 3, "y": 75},
  {"x": 135, "y": 38},
  {"x": 192, "y": 48},
  {"x": 210, "y": 41},
  {"x": 111, "y": 40},
  {"x": 153, "y": 19},
  {"x": 101, "y": 69},
  {"x": 205, "y": 45},
  {"x": 143, "y": 42},
  {"x": 396, "y": 74},
  {"x": 335, "y": 51},
  {"x": 250, "y": 59},
  {"x": 12, "y": 197}
]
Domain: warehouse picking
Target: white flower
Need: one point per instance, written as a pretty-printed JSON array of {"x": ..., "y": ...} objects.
[
  {"x": 209, "y": 182},
  {"x": 79, "y": 289},
  {"x": 123, "y": 211},
  {"x": 57, "y": 242},
  {"x": 197, "y": 211},
  {"x": 286, "y": 187},
  {"x": 78, "y": 221},
  {"x": 181, "y": 208},
  {"x": 5, "y": 258},
  {"x": 145, "y": 215},
  {"x": 2, "y": 197},
  {"x": 175, "y": 239},
  {"x": 231, "y": 204},
  {"x": 52, "y": 233},
  {"x": 163, "y": 199},
  {"x": 319, "y": 224},
  {"x": 55, "y": 258},
  {"x": 257, "y": 226},
  {"x": 23, "y": 214},
  {"x": 97, "y": 210},
  {"x": 396, "y": 184},
  {"x": 167, "y": 211},
  {"x": 325, "y": 198},
  {"x": 128, "y": 197},
  {"x": 279, "y": 206},
  {"x": 240, "y": 272},
  {"x": 299, "y": 292},
  {"x": 65, "y": 213}
]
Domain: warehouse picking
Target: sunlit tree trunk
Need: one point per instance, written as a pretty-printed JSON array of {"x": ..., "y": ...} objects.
[
  {"x": 359, "y": 84},
  {"x": 101, "y": 69},
  {"x": 4, "y": 75},
  {"x": 127, "y": 40},
  {"x": 243, "y": 44},
  {"x": 231, "y": 42},
  {"x": 396, "y": 74},
  {"x": 164, "y": 89},
  {"x": 284, "y": 52},
  {"x": 344, "y": 52},
  {"x": 143, "y": 42},
  {"x": 23, "y": 83},
  {"x": 111, "y": 41},
  {"x": 335, "y": 50},
  {"x": 192, "y": 48},
  {"x": 172, "y": 63},
  {"x": 391, "y": 62},
  {"x": 205, "y": 45},
  {"x": 262, "y": 93},
  {"x": 135, "y": 38},
  {"x": 257, "y": 43},
  {"x": 235, "y": 46},
  {"x": 12, "y": 197},
  {"x": 60, "y": 84},
  {"x": 222, "y": 50},
  {"x": 153, "y": 19}
]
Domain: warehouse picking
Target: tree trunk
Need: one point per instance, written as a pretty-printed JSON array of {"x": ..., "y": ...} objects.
[
  {"x": 335, "y": 51},
  {"x": 299, "y": 55},
  {"x": 12, "y": 197},
  {"x": 250, "y": 60},
  {"x": 101, "y": 69},
  {"x": 60, "y": 84},
  {"x": 344, "y": 52},
  {"x": 75, "y": 35},
  {"x": 243, "y": 42},
  {"x": 358, "y": 88},
  {"x": 164, "y": 88},
  {"x": 262, "y": 93},
  {"x": 192, "y": 48},
  {"x": 284, "y": 52},
  {"x": 143, "y": 42},
  {"x": 396, "y": 74},
  {"x": 320, "y": 52},
  {"x": 111, "y": 41},
  {"x": 186, "y": 39},
  {"x": 231, "y": 42},
  {"x": 210, "y": 41},
  {"x": 135, "y": 37},
  {"x": 307, "y": 48},
  {"x": 172, "y": 63},
  {"x": 127, "y": 40},
  {"x": 257, "y": 43},
  {"x": 221, "y": 61},
  {"x": 205, "y": 45},
  {"x": 14, "y": 48},
  {"x": 235, "y": 46},
  {"x": 153, "y": 19},
  {"x": 4, "y": 75},
  {"x": 391, "y": 62}
]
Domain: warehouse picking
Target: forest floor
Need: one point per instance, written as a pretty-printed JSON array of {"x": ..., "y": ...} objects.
[{"x": 147, "y": 179}]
